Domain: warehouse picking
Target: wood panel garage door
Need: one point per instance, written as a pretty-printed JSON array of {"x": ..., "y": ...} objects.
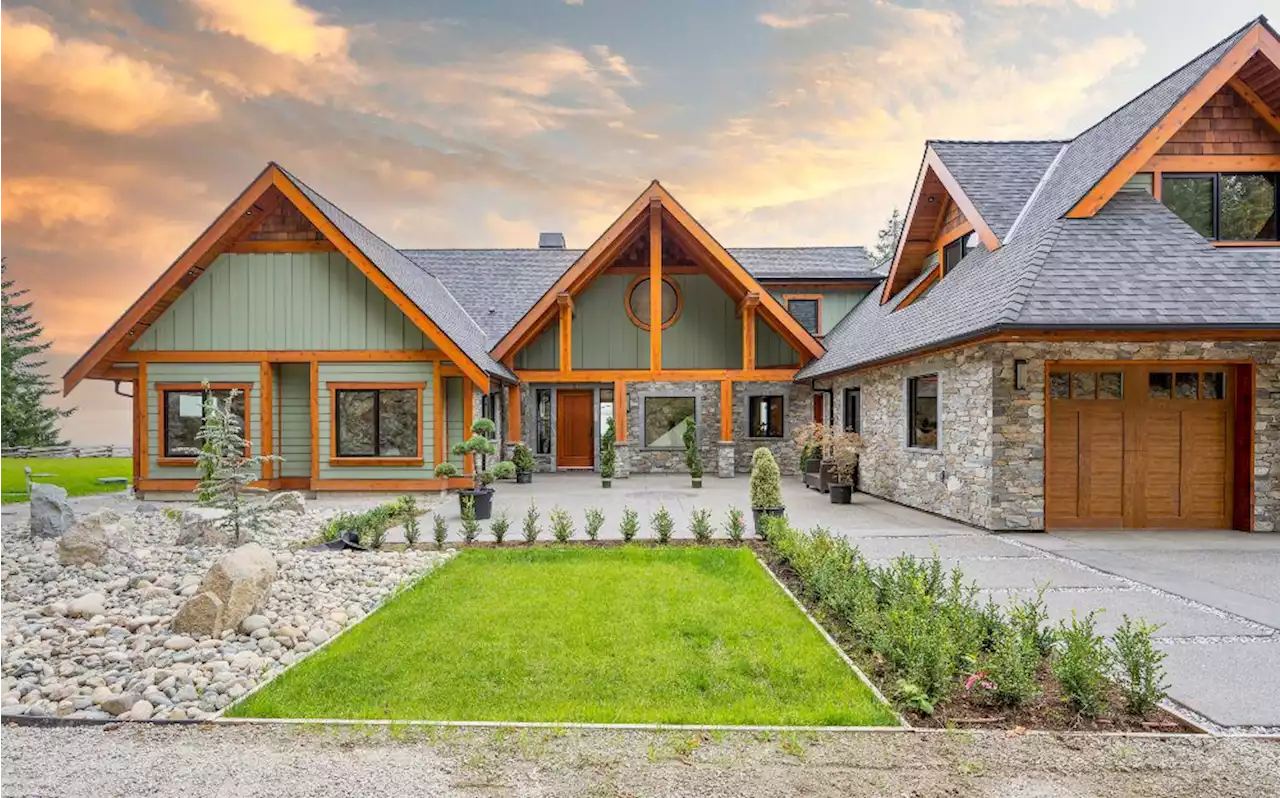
[{"x": 1140, "y": 446}]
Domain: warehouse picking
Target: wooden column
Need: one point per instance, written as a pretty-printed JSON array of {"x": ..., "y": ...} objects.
[
  {"x": 438, "y": 420},
  {"x": 620, "y": 411},
  {"x": 514, "y": 419},
  {"x": 726, "y": 410},
  {"x": 315, "y": 419},
  {"x": 566, "y": 331},
  {"x": 748, "y": 308},
  {"x": 468, "y": 413},
  {"x": 264, "y": 394},
  {"x": 655, "y": 284}
]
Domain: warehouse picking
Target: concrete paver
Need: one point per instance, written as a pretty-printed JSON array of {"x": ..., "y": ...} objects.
[
  {"x": 1179, "y": 619},
  {"x": 1029, "y": 572},
  {"x": 1231, "y": 683},
  {"x": 947, "y": 547}
]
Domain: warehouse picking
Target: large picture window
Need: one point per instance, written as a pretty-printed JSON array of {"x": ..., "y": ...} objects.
[
  {"x": 184, "y": 409},
  {"x": 543, "y": 409},
  {"x": 1225, "y": 207},
  {"x": 665, "y": 418},
  {"x": 853, "y": 410},
  {"x": 922, "y": 411},
  {"x": 381, "y": 422},
  {"x": 764, "y": 417}
]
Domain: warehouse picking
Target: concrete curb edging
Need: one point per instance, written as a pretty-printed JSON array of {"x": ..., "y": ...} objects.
[{"x": 831, "y": 642}]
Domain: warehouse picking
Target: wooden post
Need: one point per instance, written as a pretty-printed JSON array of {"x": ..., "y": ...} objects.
[
  {"x": 566, "y": 331},
  {"x": 655, "y": 284},
  {"x": 514, "y": 431},
  {"x": 748, "y": 308},
  {"x": 315, "y": 420},
  {"x": 620, "y": 411},
  {"x": 726, "y": 411},
  {"x": 264, "y": 394}
]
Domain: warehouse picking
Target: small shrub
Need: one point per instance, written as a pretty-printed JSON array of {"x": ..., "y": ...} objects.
[
  {"x": 504, "y": 469},
  {"x": 439, "y": 530},
  {"x": 630, "y": 524},
  {"x": 499, "y": 526},
  {"x": 1082, "y": 665},
  {"x": 531, "y": 527},
  {"x": 1141, "y": 665},
  {"x": 407, "y": 509},
  {"x": 522, "y": 458},
  {"x": 663, "y": 525},
  {"x": 561, "y": 525},
  {"x": 700, "y": 525},
  {"x": 609, "y": 456},
  {"x": 470, "y": 526},
  {"x": 374, "y": 525},
  {"x": 342, "y": 522},
  {"x": 445, "y": 470},
  {"x": 766, "y": 480},
  {"x": 1031, "y": 619},
  {"x": 735, "y": 525},
  {"x": 692, "y": 457},
  {"x": 914, "y": 697},
  {"x": 595, "y": 520},
  {"x": 1011, "y": 669}
]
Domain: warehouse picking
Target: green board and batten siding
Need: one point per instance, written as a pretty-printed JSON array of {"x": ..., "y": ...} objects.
[
  {"x": 415, "y": 371},
  {"x": 189, "y": 373},
  {"x": 293, "y": 418},
  {"x": 288, "y": 301}
]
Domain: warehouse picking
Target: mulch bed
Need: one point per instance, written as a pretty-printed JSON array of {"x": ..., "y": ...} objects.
[{"x": 1051, "y": 711}]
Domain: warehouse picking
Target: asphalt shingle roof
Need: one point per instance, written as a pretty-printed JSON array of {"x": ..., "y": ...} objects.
[{"x": 998, "y": 176}]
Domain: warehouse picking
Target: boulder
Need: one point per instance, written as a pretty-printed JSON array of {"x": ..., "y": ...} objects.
[
  {"x": 236, "y": 587},
  {"x": 203, "y": 526},
  {"x": 51, "y": 513},
  {"x": 92, "y": 537},
  {"x": 88, "y": 605},
  {"x": 120, "y": 704},
  {"x": 288, "y": 501}
]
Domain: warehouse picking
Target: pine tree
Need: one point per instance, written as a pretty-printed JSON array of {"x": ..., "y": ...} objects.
[
  {"x": 887, "y": 238},
  {"x": 225, "y": 468},
  {"x": 25, "y": 420}
]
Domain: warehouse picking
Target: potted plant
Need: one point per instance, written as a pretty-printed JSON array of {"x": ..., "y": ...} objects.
[
  {"x": 503, "y": 469},
  {"x": 845, "y": 447},
  {"x": 826, "y": 446},
  {"x": 692, "y": 457},
  {"x": 609, "y": 456},
  {"x": 766, "y": 489},
  {"x": 444, "y": 471},
  {"x": 809, "y": 438},
  {"x": 522, "y": 459},
  {"x": 478, "y": 445}
]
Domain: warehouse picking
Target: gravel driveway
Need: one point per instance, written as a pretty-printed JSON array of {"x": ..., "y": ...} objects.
[{"x": 209, "y": 760}]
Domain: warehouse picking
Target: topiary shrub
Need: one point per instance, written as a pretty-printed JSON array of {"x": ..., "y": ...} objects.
[
  {"x": 609, "y": 458},
  {"x": 522, "y": 458},
  {"x": 766, "y": 480},
  {"x": 504, "y": 469}
]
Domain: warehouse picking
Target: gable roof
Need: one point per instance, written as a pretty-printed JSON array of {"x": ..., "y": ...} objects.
[{"x": 998, "y": 176}]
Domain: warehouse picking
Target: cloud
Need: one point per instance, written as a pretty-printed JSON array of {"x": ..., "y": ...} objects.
[
  {"x": 282, "y": 27},
  {"x": 93, "y": 85},
  {"x": 799, "y": 14},
  {"x": 1100, "y": 7},
  {"x": 573, "y": 2}
]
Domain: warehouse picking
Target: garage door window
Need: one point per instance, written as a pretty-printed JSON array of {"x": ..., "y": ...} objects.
[
  {"x": 1187, "y": 385},
  {"x": 1101, "y": 385}
]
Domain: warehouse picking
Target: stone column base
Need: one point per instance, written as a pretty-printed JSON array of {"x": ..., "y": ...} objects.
[
  {"x": 725, "y": 459},
  {"x": 622, "y": 460}
]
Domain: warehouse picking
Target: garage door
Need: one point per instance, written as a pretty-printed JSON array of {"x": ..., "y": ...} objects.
[{"x": 1140, "y": 446}]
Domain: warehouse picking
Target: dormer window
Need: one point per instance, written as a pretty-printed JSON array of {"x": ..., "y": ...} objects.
[
  {"x": 954, "y": 252},
  {"x": 1232, "y": 207}
]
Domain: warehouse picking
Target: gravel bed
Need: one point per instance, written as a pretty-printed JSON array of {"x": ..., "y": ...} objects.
[{"x": 94, "y": 641}]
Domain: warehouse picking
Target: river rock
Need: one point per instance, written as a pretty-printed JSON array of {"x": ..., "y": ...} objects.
[
  {"x": 51, "y": 513},
  {"x": 120, "y": 703},
  {"x": 288, "y": 501},
  {"x": 88, "y": 605},
  {"x": 203, "y": 526},
  {"x": 92, "y": 537}
]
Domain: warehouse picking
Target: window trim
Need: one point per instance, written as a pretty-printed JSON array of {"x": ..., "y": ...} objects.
[
  {"x": 644, "y": 323},
  {"x": 850, "y": 392},
  {"x": 697, "y": 418},
  {"x": 162, "y": 388},
  {"x": 371, "y": 460},
  {"x": 822, "y": 328},
  {"x": 909, "y": 406},
  {"x": 1216, "y": 178},
  {"x": 782, "y": 434}
]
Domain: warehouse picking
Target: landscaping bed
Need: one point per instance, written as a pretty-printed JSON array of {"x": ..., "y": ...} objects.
[
  {"x": 609, "y": 635},
  {"x": 963, "y": 691}
]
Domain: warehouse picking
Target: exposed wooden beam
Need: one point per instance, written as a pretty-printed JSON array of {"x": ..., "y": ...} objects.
[
  {"x": 565, "y": 303},
  {"x": 269, "y": 247},
  {"x": 1255, "y": 102},
  {"x": 749, "y": 300},
  {"x": 620, "y": 411},
  {"x": 749, "y": 338},
  {"x": 726, "y": 410},
  {"x": 645, "y": 375},
  {"x": 1212, "y": 163},
  {"x": 287, "y": 356},
  {"x": 655, "y": 283},
  {"x": 515, "y": 433}
]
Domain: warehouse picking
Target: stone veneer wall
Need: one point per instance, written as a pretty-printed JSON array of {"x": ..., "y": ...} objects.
[
  {"x": 955, "y": 479},
  {"x": 671, "y": 461},
  {"x": 798, "y": 411}
]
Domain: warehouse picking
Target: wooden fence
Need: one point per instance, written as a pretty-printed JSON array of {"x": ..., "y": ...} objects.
[{"x": 59, "y": 452}]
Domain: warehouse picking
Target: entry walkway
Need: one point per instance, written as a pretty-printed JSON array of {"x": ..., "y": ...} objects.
[{"x": 1217, "y": 594}]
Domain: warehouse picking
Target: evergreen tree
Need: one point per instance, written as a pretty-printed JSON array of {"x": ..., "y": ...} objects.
[
  {"x": 887, "y": 238},
  {"x": 25, "y": 419},
  {"x": 226, "y": 469}
]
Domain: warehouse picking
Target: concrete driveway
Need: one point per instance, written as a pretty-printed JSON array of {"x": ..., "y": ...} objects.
[{"x": 1216, "y": 593}]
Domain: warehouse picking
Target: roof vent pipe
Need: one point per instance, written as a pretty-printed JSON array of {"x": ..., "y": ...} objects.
[{"x": 551, "y": 241}]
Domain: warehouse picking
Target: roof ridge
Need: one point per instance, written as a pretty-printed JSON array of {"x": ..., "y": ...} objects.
[{"x": 1035, "y": 193}]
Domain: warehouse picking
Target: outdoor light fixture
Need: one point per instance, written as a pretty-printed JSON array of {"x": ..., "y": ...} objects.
[{"x": 1019, "y": 374}]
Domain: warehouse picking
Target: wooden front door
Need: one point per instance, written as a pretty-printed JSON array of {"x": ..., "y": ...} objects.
[
  {"x": 1140, "y": 446},
  {"x": 819, "y": 408},
  {"x": 575, "y": 429}
]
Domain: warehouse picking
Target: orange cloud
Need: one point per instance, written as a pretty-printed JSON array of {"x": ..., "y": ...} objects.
[
  {"x": 92, "y": 85},
  {"x": 282, "y": 27}
]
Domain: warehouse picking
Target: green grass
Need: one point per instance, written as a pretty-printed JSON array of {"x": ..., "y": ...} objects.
[
  {"x": 616, "y": 635},
  {"x": 79, "y": 475}
]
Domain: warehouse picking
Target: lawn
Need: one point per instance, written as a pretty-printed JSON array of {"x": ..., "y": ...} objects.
[
  {"x": 602, "y": 635},
  {"x": 79, "y": 475}
]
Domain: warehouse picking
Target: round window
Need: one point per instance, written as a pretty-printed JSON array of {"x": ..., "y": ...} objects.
[{"x": 638, "y": 302}]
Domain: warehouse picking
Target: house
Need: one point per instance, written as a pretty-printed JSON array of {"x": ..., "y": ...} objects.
[
  {"x": 1080, "y": 333},
  {"x": 1086, "y": 333},
  {"x": 362, "y": 365}
]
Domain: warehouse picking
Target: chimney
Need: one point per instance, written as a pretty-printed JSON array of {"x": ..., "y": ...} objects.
[{"x": 551, "y": 241}]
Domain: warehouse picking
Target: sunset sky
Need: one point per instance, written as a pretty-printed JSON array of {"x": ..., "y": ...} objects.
[{"x": 130, "y": 125}]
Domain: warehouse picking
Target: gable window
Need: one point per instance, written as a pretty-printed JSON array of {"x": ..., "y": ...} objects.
[
  {"x": 954, "y": 252},
  {"x": 806, "y": 309},
  {"x": 922, "y": 412},
  {"x": 765, "y": 417},
  {"x": 665, "y": 419},
  {"x": 638, "y": 302},
  {"x": 382, "y": 422},
  {"x": 543, "y": 406},
  {"x": 1225, "y": 206},
  {"x": 184, "y": 412},
  {"x": 853, "y": 410}
]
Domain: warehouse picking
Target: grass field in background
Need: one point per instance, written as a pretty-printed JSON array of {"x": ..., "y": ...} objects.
[
  {"x": 607, "y": 635},
  {"x": 79, "y": 475}
]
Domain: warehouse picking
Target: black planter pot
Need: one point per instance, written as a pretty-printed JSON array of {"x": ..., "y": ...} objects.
[
  {"x": 841, "y": 494},
  {"x": 524, "y": 477},
  {"x": 484, "y": 502},
  {"x": 758, "y": 514},
  {"x": 826, "y": 473},
  {"x": 697, "y": 482},
  {"x": 606, "y": 482},
  {"x": 812, "y": 465}
]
